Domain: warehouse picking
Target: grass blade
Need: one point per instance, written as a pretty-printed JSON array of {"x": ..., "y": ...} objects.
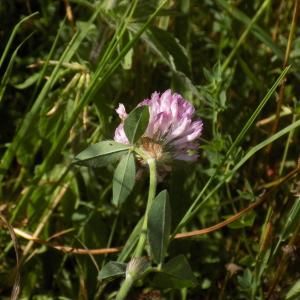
[
  {"x": 32, "y": 116},
  {"x": 195, "y": 206},
  {"x": 12, "y": 36},
  {"x": 9, "y": 68}
]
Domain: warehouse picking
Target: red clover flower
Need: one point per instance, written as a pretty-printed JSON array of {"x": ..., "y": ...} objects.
[{"x": 173, "y": 131}]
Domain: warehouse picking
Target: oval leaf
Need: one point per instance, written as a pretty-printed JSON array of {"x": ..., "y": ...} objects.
[
  {"x": 112, "y": 269},
  {"x": 101, "y": 154},
  {"x": 159, "y": 226},
  {"x": 176, "y": 274},
  {"x": 124, "y": 179},
  {"x": 136, "y": 123}
]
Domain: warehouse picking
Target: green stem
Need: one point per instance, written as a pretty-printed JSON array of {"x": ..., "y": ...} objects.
[
  {"x": 129, "y": 280},
  {"x": 286, "y": 148},
  {"x": 151, "y": 195},
  {"x": 125, "y": 288}
]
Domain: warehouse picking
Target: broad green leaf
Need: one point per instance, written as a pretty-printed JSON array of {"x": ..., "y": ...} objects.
[
  {"x": 294, "y": 292},
  {"x": 101, "y": 154},
  {"x": 124, "y": 179},
  {"x": 159, "y": 226},
  {"x": 112, "y": 269},
  {"x": 176, "y": 274},
  {"x": 136, "y": 123}
]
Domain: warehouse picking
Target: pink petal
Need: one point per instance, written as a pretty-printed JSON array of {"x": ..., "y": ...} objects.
[
  {"x": 170, "y": 124},
  {"x": 120, "y": 135},
  {"x": 121, "y": 111}
]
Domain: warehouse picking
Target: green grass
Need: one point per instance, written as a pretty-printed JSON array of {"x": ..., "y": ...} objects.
[{"x": 236, "y": 61}]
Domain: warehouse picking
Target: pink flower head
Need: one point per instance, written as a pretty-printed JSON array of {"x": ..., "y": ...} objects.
[{"x": 172, "y": 132}]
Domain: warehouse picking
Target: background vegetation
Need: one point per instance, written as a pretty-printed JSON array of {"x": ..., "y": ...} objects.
[{"x": 65, "y": 66}]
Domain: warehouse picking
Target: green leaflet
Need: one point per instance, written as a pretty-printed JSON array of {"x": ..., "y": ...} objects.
[
  {"x": 159, "y": 226},
  {"x": 112, "y": 269},
  {"x": 101, "y": 154},
  {"x": 176, "y": 273},
  {"x": 124, "y": 179},
  {"x": 136, "y": 123}
]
